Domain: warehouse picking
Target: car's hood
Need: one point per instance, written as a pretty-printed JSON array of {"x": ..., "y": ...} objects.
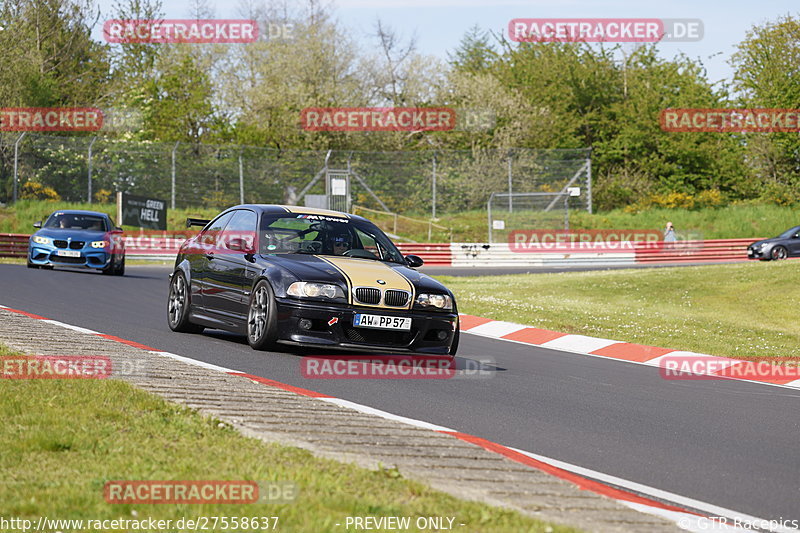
[
  {"x": 355, "y": 272},
  {"x": 74, "y": 234},
  {"x": 759, "y": 243}
]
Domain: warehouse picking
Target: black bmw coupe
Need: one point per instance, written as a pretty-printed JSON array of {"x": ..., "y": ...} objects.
[{"x": 309, "y": 277}]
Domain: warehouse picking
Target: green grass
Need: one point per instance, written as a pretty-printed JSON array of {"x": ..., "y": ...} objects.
[
  {"x": 63, "y": 439},
  {"x": 731, "y": 222},
  {"x": 734, "y": 221},
  {"x": 745, "y": 311},
  {"x": 19, "y": 217}
]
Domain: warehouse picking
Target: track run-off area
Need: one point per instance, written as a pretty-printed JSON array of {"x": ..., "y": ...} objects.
[{"x": 717, "y": 443}]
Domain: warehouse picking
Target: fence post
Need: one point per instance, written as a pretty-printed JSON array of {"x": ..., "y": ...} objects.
[
  {"x": 510, "y": 200},
  {"x": 241, "y": 180},
  {"x": 589, "y": 182},
  {"x": 433, "y": 191},
  {"x": 16, "y": 160},
  {"x": 89, "y": 191},
  {"x": 395, "y": 223},
  {"x": 173, "y": 174},
  {"x": 430, "y": 230}
]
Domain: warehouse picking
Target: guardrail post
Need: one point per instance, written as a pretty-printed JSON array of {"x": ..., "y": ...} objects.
[
  {"x": 16, "y": 163},
  {"x": 89, "y": 163}
]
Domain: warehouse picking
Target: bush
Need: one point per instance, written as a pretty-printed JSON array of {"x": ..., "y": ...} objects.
[
  {"x": 103, "y": 196},
  {"x": 33, "y": 190},
  {"x": 779, "y": 194}
]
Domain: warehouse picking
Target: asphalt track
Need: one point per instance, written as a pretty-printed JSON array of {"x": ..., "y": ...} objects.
[{"x": 729, "y": 443}]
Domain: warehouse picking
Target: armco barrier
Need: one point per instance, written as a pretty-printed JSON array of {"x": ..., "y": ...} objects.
[
  {"x": 12, "y": 245},
  {"x": 696, "y": 251},
  {"x": 474, "y": 254}
]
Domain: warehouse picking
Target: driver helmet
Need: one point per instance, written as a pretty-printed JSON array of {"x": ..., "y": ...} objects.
[{"x": 341, "y": 243}]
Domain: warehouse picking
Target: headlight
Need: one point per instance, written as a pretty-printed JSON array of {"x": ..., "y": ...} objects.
[
  {"x": 439, "y": 301},
  {"x": 99, "y": 244},
  {"x": 304, "y": 289},
  {"x": 763, "y": 245},
  {"x": 41, "y": 240}
]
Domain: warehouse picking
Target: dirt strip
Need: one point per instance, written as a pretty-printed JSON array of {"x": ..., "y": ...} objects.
[{"x": 274, "y": 415}]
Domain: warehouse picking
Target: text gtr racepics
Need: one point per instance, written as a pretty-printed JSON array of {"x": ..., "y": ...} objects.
[{"x": 310, "y": 277}]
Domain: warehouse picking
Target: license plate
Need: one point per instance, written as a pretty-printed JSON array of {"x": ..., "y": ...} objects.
[
  {"x": 382, "y": 322},
  {"x": 68, "y": 253}
]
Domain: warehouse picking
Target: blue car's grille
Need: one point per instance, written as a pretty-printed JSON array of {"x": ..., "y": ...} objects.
[{"x": 74, "y": 245}]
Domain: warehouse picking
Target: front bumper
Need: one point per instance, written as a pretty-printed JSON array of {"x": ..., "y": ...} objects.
[
  {"x": 332, "y": 327},
  {"x": 757, "y": 253},
  {"x": 47, "y": 255}
]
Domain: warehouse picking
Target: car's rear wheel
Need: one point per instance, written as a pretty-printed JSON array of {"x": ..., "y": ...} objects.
[
  {"x": 779, "y": 252},
  {"x": 178, "y": 306},
  {"x": 262, "y": 320}
]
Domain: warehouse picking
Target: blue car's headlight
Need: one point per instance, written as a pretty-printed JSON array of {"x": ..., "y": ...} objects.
[
  {"x": 42, "y": 240},
  {"x": 99, "y": 244}
]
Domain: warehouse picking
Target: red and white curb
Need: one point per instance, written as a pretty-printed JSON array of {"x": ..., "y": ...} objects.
[
  {"x": 634, "y": 495},
  {"x": 707, "y": 365}
]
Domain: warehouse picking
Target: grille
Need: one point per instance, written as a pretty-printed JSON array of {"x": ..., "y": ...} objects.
[
  {"x": 395, "y": 298},
  {"x": 60, "y": 244},
  {"x": 378, "y": 337},
  {"x": 368, "y": 295},
  {"x": 76, "y": 245}
]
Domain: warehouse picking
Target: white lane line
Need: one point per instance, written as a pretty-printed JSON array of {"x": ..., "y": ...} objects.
[
  {"x": 195, "y": 362},
  {"x": 496, "y": 328},
  {"x": 70, "y": 326},
  {"x": 383, "y": 414},
  {"x": 690, "y": 503},
  {"x": 719, "y": 363},
  {"x": 579, "y": 343}
]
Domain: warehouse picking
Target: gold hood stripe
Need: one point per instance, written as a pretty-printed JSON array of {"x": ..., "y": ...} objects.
[{"x": 366, "y": 273}]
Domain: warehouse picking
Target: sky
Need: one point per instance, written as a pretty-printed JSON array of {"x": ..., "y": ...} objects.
[{"x": 439, "y": 25}]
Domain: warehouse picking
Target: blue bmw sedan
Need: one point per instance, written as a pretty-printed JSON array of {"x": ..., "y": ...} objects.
[{"x": 72, "y": 238}]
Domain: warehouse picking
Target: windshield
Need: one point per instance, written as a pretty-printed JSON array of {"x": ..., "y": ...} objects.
[
  {"x": 788, "y": 233},
  {"x": 325, "y": 235},
  {"x": 75, "y": 221}
]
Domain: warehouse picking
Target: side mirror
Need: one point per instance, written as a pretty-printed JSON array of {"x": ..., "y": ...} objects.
[
  {"x": 118, "y": 229},
  {"x": 414, "y": 261},
  {"x": 37, "y": 224}
]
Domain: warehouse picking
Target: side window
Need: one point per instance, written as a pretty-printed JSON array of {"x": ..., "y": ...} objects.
[
  {"x": 210, "y": 233},
  {"x": 243, "y": 226}
]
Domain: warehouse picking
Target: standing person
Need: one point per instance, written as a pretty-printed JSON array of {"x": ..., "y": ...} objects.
[{"x": 669, "y": 233}]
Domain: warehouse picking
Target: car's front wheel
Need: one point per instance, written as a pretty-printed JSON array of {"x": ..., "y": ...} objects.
[
  {"x": 262, "y": 320},
  {"x": 779, "y": 252},
  {"x": 31, "y": 265},
  {"x": 178, "y": 306}
]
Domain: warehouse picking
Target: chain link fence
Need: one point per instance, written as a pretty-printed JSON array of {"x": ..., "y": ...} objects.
[{"x": 425, "y": 184}]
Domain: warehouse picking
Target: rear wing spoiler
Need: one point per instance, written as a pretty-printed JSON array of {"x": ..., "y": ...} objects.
[{"x": 196, "y": 222}]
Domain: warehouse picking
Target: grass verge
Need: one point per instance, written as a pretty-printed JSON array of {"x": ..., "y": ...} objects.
[
  {"x": 63, "y": 439},
  {"x": 744, "y": 311},
  {"x": 729, "y": 222}
]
